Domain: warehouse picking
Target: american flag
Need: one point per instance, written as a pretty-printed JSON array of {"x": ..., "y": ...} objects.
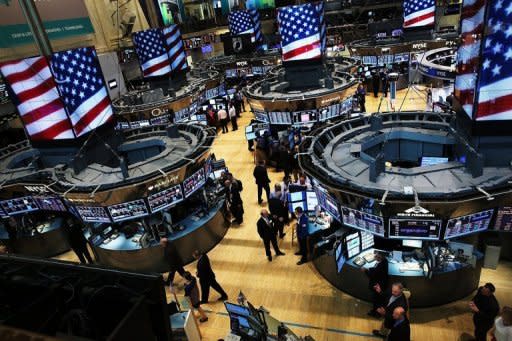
[
  {"x": 323, "y": 32},
  {"x": 80, "y": 82},
  {"x": 495, "y": 78},
  {"x": 150, "y": 48},
  {"x": 37, "y": 98},
  {"x": 468, "y": 61},
  {"x": 176, "y": 49},
  {"x": 419, "y": 13},
  {"x": 300, "y": 28},
  {"x": 240, "y": 22},
  {"x": 255, "y": 15}
]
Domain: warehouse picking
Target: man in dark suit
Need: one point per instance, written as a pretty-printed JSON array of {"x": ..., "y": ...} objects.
[
  {"x": 173, "y": 259},
  {"x": 268, "y": 233},
  {"x": 302, "y": 235},
  {"x": 485, "y": 308},
  {"x": 401, "y": 330},
  {"x": 77, "y": 241},
  {"x": 207, "y": 278},
  {"x": 278, "y": 213},
  {"x": 236, "y": 205},
  {"x": 377, "y": 280},
  {"x": 391, "y": 301},
  {"x": 262, "y": 180}
]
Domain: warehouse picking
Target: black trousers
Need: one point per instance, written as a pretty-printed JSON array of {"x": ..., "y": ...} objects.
[
  {"x": 303, "y": 249},
  {"x": 83, "y": 255},
  {"x": 280, "y": 227},
  {"x": 265, "y": 187},
  {"x": 266, "y": 243},
  {"x": 238, "y": 212},
  {"x": 234, "y": 124},
  {"x": 481, "y": 331},
  {"x": 205, "y": 288},
  {"x": 224, "y": 124},
  {"x": 172, "y": 274}
]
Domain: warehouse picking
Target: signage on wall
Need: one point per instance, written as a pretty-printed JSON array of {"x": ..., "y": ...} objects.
[
  {"x": 61, "y": 19},
  {"x": 416, "y": 212}
]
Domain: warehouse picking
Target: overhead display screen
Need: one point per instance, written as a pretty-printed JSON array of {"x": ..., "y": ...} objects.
[
  {"x": 414, "y": 229},
  {"x": 327, "y": 203},
  {"x": 279, "y": 117},
  {"x": 419, "y": 13},
  {"x": 194, "y": 182},
  {"x": 50, "y": 204},
  {"x": 329, "y": 112},
  {"x": 468, "y": 224},
  {"x": 261, "y": 116},
  {"x": 93, "y": 214},
  {"x": 353, "y": 244},
  {"x": 363, "y": 221},
  {"x": 19, "y": 205},
  {"x": 128, "y": 210},
  {"x": 504, "y": 219},
  {"x": 165, "y": 198}
]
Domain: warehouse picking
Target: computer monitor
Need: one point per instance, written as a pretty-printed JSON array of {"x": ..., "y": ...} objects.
[
  {"x": 232, "y": 308},
  {"x": 340, "y": 262},
  {"x": 311, "y": 200},
  {"x": 296, "y": 196},
  {"x": 352, "y": 244},
  {"x": 293, "y": 205},
  {"x": 212, "y": 101},
  {"x": 414, "y": 243}
]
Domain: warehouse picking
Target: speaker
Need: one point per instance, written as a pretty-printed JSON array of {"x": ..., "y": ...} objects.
[{"x": 173, "y": 132}]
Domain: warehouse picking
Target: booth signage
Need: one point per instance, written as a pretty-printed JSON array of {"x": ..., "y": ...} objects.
[{"x": 416, "y": 212}]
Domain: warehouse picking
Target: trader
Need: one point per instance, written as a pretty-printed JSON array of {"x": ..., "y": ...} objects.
[
  {"x": 485, "y": 308},
  {"x": 302, "y": 235},
  {"x": 207, "y": 277},
  {"x": 268, "y": 233},
  {"x": 377, "y": 280},
  {"x": 401, "y": 329},
  {"x": 392, "y": 300},
  {"x": 262, "y": 180}
]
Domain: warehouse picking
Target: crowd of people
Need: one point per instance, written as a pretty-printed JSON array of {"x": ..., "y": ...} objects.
[{"x": 226, "y": 113}]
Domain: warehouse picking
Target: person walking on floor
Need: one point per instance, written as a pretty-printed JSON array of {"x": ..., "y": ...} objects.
[
  {"x": 262, "y": 180},
  {"x": 401, "y": 329},
  {"x": 278, "y": 211},
  {"x": 207, "y": 277},
  {"x": 232, "y": 117},
  {"x": 77, "y": 241},
  {"x": 485, "y": 308},
  {"x": 223, "y": 118},
  {"x": 391, "y": 300},
  {"x": 502, "y": 330},
  {"x": 268, "y": 233},
  {"x": 377, "y": 281},
  {"x": 234, "y": 199},
  {"x": 173, "y": 259},
  {"x": 192, "y": 293},
  {"x": 302, "y": 235}
]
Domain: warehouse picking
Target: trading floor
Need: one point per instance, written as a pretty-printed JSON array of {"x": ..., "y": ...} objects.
[{"x": 298, "y": 295}]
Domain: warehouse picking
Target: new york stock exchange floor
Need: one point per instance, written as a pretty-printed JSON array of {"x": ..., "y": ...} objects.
[{"x": 298, "y": 295}]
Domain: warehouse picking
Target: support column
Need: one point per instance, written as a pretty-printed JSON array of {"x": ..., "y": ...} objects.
[{"x": 36, "y": 27}]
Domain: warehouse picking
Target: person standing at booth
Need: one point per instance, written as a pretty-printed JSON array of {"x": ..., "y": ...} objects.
[
  {"x": 377, "y": 281},
  {"x": 223, "y": 118},
  {"x": 207, "y": 277},
  {"x": 391, "y": 301},
  {"x": 361, "y": 97},
  {"x": 302, "y": 235},
  {"x": 77, "y": 241},
  {"x": 485, "y": 308},
  {"x": 268, "y": 233},
  {"x": 173, "y": 259},
  {"x": 375, "y": 84},
  {"x": 232, "y": 117},
  {"x": 262, "y": 180},
  {"x": 401, "y": 329},
  {"x": 234, "y": 199}
]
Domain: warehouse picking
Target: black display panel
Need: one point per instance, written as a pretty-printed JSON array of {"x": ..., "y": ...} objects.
[
  {"x": 261, "y": 116},
  {"x": 165, "y": 198},
  {"x": 304, "y": 117},
  {"x": 427, "y": 229},
  {"x": 194, "y": 182},
  {"x": 468, "y": 224},
  {"x": 329, "y": 204},
  {"x": 279, "y": 117},
  {"x": 19, "y": 205},
  {"x": 128, "y": 210},
  {"x": 363, "y": 221},
  {"x": 504, "y": 219},
  {"x": 353, "y": 244},
  {"x": 50, "y": 204},
  {"x": 93, "y": 214}
]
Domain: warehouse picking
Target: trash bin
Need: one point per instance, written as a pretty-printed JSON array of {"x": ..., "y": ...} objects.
[{"x": 492, "y": 253}]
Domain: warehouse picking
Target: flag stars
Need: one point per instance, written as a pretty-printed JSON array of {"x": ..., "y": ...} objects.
[
  {"x": 509, "y": 9},
  {"x": 497, "y": 48},
  {"x": 496, "y": 70},
  {"x": 508, "y": 54},
  {"x": 486, "y": 64}
]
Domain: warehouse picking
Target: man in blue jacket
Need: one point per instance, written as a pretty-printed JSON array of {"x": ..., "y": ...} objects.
[{"x": 302, "y": 235}]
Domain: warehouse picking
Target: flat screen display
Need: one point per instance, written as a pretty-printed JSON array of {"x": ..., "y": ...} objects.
[
  {"x": 93, "y": 214},
  {"x": 367, "y": 240},
  {"x": 419, "y": 13},
  {"x": 340, "y": 262},
  {"x": 261, "y": 116},
  {"x": 194, "y": 182},
  {"x": 19, "y": 205},
  {"x": 353, "y": 244},
  {"x": 504, "y": 219},
  {"x": 329, "y": 112},
  {"x": 311, "y": 200},
  {"x": 415, "y": 243},
  {"x": 236, "y": 309},
  {"x": 432, "y": 161},
  {"x": 327, "y": 203},
  {"x": 128, "y": 210},
  {"x": 363, "y": 221},
  {"x": 296, "y": 196},
  {"x": 369, "y": 60},
  {"x": 280, "y": 117},
  {"x": 427, "y": 229},
  {"x": 293, "y": 205},
  {"x": 468, "y": 224},
  {"x": 165, "y": 198},
  {"x": 50, "y": 204}
]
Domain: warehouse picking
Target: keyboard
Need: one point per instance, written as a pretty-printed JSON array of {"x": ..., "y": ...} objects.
[
  {"x": 359, "y": 261},
  {"x": 369, "y": 257}
]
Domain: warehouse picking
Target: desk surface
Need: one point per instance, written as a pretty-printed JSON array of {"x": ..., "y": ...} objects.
[
  {"x": 191, "y": 223},
  {"x": 314, "y": 227},
  {"x": 43, "y": 227}
]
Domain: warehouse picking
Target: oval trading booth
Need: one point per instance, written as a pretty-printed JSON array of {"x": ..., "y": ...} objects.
[{"x": 409, "y": 186}]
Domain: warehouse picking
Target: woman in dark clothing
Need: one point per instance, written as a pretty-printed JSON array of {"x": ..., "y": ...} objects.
[{"x": 192, "y": 293}]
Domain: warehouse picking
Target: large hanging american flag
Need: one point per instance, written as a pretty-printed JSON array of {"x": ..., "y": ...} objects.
[
  {"x": 240, "y": 22},
  {"x": 150, "y": 48},
  {"x": 468, "y": 61},
  {"x": 495, "y": 77},
  {"x": 37, "y": 99},
  {"x": 176, "y": 49},
  {"x": 300, "y": 28},
  {"x": 80, "y": 82},
  {"x": 419, "y": 13},
  {"x": 255, "y": 15}
]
